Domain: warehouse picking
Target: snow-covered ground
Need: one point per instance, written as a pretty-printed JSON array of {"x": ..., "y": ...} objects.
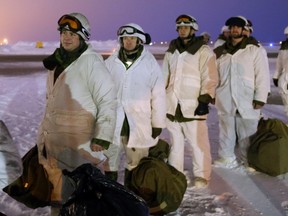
[{"x": 233, "y": 193}]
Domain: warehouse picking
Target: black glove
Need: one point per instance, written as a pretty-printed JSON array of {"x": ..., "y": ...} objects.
[
  {"x": 202, "y": 109},
  {"x": 275, "y": 81},
  {"x": 156, "y": 132}
]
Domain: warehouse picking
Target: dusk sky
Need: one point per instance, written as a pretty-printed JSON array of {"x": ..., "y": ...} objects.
[{"x": 36, "y": 20}]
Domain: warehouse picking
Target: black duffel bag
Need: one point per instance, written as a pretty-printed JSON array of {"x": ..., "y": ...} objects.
[{"x": 95, "y": 194}]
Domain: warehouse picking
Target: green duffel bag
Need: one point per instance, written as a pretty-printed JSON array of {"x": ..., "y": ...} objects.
[
  {"x": 161, "y": 185},
  {"x": 268, "y": 151}
]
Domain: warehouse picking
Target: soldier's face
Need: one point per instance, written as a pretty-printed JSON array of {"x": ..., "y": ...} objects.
[
  {"x": 236, "y": 31},
  {"x": 185, "y": 31}
]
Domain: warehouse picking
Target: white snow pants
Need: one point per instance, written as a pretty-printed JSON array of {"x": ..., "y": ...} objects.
[
  {"x": 235, "y": 129},
  {"x": 133, "y": 156},
  {"x": 113, "y": 154},
  {"x": 196, "y": 133},
  {"x": 284, "y": 97},
  {"x": 283, "y": 90}
]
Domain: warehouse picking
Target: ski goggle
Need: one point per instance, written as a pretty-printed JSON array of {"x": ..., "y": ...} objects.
[
  {"x": 73, "y": 24},
  {"x": 128, "y": 30},
  {"x": 185, "y": 20}
]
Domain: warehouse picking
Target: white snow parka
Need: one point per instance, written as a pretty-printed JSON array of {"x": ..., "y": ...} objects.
[
  {"x": 141, "y": 96},
  {"x": 187, "y": 76},
  {"x": 281, "y": 72},
  {"x": 244, "y": 78},
  {"x": 81, "y": 105}
]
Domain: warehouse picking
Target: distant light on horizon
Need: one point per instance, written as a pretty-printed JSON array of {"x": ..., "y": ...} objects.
[
  {"x": 271, "y": 44},
  {"x": 4, "y": 41}
]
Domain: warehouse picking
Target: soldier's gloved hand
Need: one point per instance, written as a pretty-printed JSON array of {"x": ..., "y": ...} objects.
[
  {"x": 156, "y": 132},
  {"x": 202, "y": 109},
  {"x": 275, "y": 81}
]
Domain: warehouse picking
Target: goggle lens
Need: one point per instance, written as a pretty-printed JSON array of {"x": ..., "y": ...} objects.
[
  {"x": 128, "y": 30},
  {"x": 185, "y": 20},
  {"x": 72, "y": 22}
]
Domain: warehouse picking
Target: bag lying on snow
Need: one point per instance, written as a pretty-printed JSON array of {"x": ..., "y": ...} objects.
[
  {"x": 33, "y": 187},
  {"x": 161, "y": 185},
  {"x": 95, "y": 194},
  {"x": 268, "y": 151}
]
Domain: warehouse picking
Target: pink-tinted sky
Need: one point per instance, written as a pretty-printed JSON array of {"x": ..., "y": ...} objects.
[{"x": 36, "y": 20}]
